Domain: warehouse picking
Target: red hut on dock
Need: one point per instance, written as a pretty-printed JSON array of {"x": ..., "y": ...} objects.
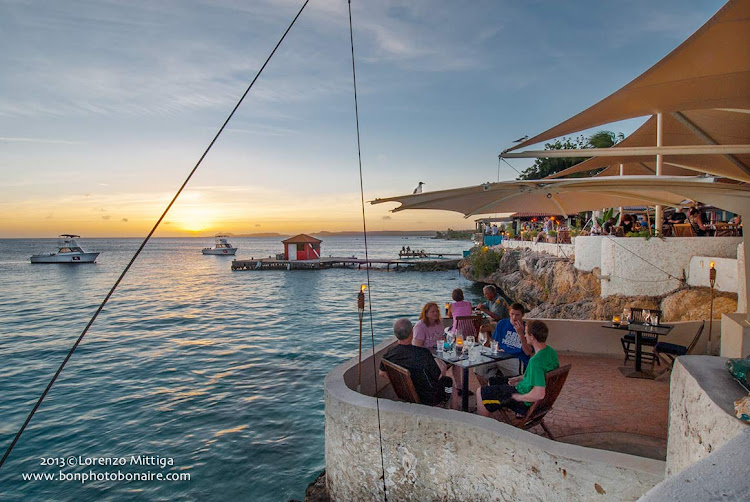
[{"x": 302, "y": 247}]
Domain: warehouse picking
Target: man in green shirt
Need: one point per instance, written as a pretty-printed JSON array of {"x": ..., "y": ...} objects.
[{"x": 519, "y": 392}]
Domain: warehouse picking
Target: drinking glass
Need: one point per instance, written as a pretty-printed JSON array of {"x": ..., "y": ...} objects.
[
  {"x": 450, "y": 338},
  {"x": 616, "y": 320},
  {"x": 647, "y": 318},
  {"x": 655, "y": 319},
  {"x": 482, "y": 338},
  {"x": 470, "y": 341},
  {"x": 440, "y": 345},
  {"x": 494, "y": 346}
]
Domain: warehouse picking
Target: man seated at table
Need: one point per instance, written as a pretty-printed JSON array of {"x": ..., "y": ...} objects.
[
  {"x": 429, "y": 382},
  {"x": 519, "y": 392},
  {"x": 508, "y": 340},
  {"x": 494, "y": 308}
]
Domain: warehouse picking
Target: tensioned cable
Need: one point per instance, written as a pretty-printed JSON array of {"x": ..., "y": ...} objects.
[
  {"x": 367, "y": 257},
  {"x": 645, "y": 260},
  {"x": 143, "y": 244}
]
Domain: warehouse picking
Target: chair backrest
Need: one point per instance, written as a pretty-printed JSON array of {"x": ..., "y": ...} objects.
[
  {"x": 468, "y": 324},
  {"x": 563, "y": 236},
  {"x": 554, "y": 381},
  {"x": 639, "y": 314},
  {"x": 695, "y": 338},
  {"x": 401, "y": 381},
  {"x": 619, "y": 232},
  {"x": 683, "y": 230}
]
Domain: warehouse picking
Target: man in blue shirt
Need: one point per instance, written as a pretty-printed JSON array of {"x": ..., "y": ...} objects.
[{"x": 507, "y": 336}]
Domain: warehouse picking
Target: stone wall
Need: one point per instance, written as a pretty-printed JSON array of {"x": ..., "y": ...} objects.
[
  {"x": 727, "y": 277},
  {"x": 588, "y": 252},
  {"x": 701, "y": 413},
  {"x": 560, "y": 250},
  {"x": 635, "y": 266},
  {"x": 437, "y": 454}
]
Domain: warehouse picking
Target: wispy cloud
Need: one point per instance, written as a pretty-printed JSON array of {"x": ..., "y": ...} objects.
[{"x": 39, "y": 141}]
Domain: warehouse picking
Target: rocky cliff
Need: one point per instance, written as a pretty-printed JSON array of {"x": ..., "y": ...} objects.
[{"x": 551, "y": 287}]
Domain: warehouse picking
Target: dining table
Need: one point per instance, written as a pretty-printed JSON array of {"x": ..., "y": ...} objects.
[
  {"x": 465, "y": 363},
  {"x": 638, "y": 330}
]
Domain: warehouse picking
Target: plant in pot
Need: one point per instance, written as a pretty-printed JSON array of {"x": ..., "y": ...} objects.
[{"x": 552, "y": 236}]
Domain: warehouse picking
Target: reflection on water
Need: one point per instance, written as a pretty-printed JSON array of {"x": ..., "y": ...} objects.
[{"x": 222, "y": 371}]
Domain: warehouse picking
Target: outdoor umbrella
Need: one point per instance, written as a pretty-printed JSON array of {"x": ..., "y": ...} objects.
[{"x": 572, "y": 195}]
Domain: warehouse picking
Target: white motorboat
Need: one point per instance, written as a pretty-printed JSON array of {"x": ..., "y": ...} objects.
[
  {"x": 68, "y": 252},
  {"x": 222, "y": 247}
]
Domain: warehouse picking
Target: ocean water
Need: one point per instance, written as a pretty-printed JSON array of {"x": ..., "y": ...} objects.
[{"x": 218, "y": 373}]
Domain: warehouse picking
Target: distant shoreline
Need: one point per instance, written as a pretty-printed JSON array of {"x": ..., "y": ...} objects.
[{"x": 383, "y": 233}]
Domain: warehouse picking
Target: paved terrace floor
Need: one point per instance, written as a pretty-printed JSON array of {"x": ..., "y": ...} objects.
[{"x": 600, "y": 408}]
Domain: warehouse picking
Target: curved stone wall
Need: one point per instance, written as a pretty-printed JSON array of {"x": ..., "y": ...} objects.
[{"x": 437, "y": 454}]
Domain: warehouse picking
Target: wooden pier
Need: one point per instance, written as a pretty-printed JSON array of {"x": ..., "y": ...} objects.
[{"x": 342, "y": 262}]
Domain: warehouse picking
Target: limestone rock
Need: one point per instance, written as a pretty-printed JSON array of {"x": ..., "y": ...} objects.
[
  {"x": 551, "y": 287},
  {"x": 695, "y": 303}
]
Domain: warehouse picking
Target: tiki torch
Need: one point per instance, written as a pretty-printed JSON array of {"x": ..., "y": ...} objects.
[
  {"x": 361, "y": 312},
  {"x": 712, "y": 282}
]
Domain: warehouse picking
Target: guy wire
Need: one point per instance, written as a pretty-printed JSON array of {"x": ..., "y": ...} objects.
[
  {"x": 143, "y": 244},
  {"x": 367, "y": 258}
]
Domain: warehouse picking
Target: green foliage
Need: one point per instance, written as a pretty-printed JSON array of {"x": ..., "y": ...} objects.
[
  {"x": 455, "y": 235},
  {"x": 605, "y": 139},
  {"x": 552, "y": 233},
  {"x": 609, "y": 213},
  {"x": 547, "y": 166},
  {"x": 485, "y": 261}
]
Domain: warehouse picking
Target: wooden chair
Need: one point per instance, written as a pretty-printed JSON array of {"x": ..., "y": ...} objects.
[
  {"x": 554, "y": 381},
  {"x": 647, "y": 339},
  {"x": 619, "y": 232},
  {"x": 468, "y": 325},
  {"x": 683, "y": 230},
  {"x": 668, "y": 352},
  {"x": 563, "y": 236},
  {"x": 401, "y": 382}
]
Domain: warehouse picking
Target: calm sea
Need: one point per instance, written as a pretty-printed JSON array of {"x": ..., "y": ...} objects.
[{"x": 221, "y": 372}]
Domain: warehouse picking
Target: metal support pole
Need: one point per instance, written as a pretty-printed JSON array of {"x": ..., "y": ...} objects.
[
  {"x": 712, "y": 282},
  {"x": 361, "y": 313},
  {"x": 659, "y": 164}
]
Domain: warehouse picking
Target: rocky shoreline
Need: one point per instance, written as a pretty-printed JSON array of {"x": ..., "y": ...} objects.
[{"x": 551, "y": 287}]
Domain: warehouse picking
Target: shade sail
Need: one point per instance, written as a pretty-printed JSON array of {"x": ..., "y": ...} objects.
[
  {"x": 710, "y": 70},
  {"x": 678, "y": 129},
  {"x": 569, "y": 196}
]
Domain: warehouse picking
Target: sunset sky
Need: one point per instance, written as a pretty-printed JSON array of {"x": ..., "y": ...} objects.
[{"x": 105, "y": 106}]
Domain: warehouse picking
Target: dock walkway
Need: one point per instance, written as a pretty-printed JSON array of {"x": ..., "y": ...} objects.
[{"x": 334, "y": 262}]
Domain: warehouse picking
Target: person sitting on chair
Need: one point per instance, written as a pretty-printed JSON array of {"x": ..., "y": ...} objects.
[
  {"x": 429, "y": 382},
  {"x": 519, "y": 392},
  {"x": 511, "y": 342},
  {"x": 459, "y": 307},
  {"x": 494, "y": 308}
]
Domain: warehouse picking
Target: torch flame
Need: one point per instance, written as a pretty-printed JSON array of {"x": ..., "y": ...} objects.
[
  {"x": 712, "y": 264},
  {"x": 363, "y": 287}
]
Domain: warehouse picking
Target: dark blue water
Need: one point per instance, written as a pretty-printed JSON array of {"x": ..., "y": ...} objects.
[{"x": 220, "y": 371}]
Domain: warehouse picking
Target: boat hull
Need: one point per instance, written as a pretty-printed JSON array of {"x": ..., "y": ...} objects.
[
  {"x": 65, "y": 258},
  {"x": 226, "y": 251}
]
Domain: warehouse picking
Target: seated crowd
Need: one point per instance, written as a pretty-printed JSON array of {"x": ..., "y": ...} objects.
[{"x": 512, "y": 383}]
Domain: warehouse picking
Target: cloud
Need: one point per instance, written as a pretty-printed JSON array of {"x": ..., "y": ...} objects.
[
  {"x": 106, "y": 217},
  {"x": 257, "y": 225},
  {"x": 387, "y": 218},
  {"x": 124, "y": 220},
  {"x": 43, "y": 141}
]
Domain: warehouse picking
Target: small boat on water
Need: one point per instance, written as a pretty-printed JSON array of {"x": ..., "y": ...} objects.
[
  {"x": 222, "y": 247},
  {"x": 68, "y": 252}
]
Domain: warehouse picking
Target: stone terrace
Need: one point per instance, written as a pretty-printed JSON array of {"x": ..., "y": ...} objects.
[{"x": 600, "y": 408}]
